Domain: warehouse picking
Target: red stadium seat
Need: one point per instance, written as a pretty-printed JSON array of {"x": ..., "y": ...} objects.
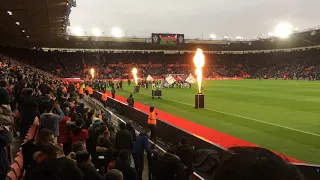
[
  {"x": 16, "y": 169},
  {"x": 11, "y": 176},
  {"x": 20, "y": 154},
  {"x": 19, "y": 161}
]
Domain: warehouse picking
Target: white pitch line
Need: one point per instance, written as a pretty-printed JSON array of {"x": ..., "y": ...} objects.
[
  {"x": 313, "y": 99},
  {"x": 252, "y": 119}
]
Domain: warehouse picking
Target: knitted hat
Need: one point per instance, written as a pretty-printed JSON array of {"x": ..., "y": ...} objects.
[{"x": 4, "y": 96}]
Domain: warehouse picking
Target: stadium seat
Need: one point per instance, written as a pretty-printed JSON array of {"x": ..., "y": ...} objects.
[
  {"x": 20, "y": 154},
  {"x": 19, "y": 161},
  {"x": 16, "y": 169},
  {"x": 11, "y": 176}
]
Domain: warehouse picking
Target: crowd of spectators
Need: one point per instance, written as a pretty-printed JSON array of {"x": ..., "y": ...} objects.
[
  {"x": 76, "y": 142},
  {"x": 296, "y": 64}
]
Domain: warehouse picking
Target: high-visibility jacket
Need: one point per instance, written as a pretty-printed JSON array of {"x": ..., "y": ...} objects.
[
  {"x": 152, "y": 118},
  {"x": 64, "y": 89},
  {"x": 90, "y": 90},
  {"x": 104, "y": 96},
  {"x": 81, "y": 91},
  {"x": 78, "y": 86},
  {"x": 87, "y": 88}
]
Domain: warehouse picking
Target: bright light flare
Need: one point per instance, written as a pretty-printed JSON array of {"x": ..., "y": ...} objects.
[
  {"x": 92, "y": 73},
  {"x": 96, "y": 32},
  {"x": 283, "y": 30},
  {"x": 116, "y": 32},
  {"x": 134, "y": 73},
  {"x": 10, "y": 13},
  {"x": 78, "y": 31},
  {"x": 198, "y": 61},
  {"x": 239, "y": 37},
  {"x": 270, "y": 34},
  {"x": 213, "y": 36}
]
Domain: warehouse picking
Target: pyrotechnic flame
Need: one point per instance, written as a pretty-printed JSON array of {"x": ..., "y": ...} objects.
[
  {"x": 198, "y": 61},
  {"x": 92, "y": 73},
  {"x": 134, "y": 73}
]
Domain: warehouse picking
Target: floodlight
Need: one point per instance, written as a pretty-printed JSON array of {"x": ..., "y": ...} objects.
[
  {"x": 23, "y": 31},
  {"x": 283, "y": 30},
  {"x": 213, "y": 36},
  {"x": 239, "y": 37},
  {"x": 78, "y": 31},
  {"x": 270, "y": 34},
  {"x": 17, "y": 23},
  {"x": 96, "y": 32},
  {"x": 116, "y": 32},
  {"x": 226, "y": 37},
  {"x": 9, "y": 12}
]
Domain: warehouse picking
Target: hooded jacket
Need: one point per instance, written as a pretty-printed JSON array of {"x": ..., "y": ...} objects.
[{"x": 78, "y": 134}]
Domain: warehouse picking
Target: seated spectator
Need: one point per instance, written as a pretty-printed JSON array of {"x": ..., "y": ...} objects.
[
  {"x": 123, "y": 165},
  {"x": 64, "y": 134},
  {"x": 168, "y": 166},
  {"x": 251, "y": 163},
  {"x": 85, "y": 165},
  {"x": 77, "y": 133},
  {"x": 53, "y": 165},
  {"x": 4, "y": 164},
  {"x": 45, "y": 136},
  {"x": 51, "y": 121},
  {"x": 187, "y": 155},
  {"x": 114, "y": 174}
]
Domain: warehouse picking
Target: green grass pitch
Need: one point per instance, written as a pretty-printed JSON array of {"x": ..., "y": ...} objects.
[{"x": 280, "y": 115}]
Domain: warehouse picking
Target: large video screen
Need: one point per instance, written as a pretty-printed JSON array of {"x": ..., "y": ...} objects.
[{"x": 167, "y": 39}]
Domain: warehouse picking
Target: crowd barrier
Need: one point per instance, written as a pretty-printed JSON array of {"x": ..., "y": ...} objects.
[
  {"x": 165, "y": 131},
  {"x": 16, "y": 169}
]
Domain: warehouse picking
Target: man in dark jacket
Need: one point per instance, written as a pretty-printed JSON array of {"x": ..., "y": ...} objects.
[
  {"x": 4, "y": 141},
  {"x": 28, "y": 108},
  {"x": 140, "y": 145},
  {"x": 123, "y": 139},
  {"x": 187, "y": 155},
  {"x": 123, "y": 165},
  {"x": 131, "y": 130},
  {"x": 169, "y": 166}
]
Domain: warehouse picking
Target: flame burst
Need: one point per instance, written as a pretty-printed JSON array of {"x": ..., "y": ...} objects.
[
  {"x": 198, "y": 61},
  {"x": 92, "y": 73},
  {"x": 134, "y": 73}
]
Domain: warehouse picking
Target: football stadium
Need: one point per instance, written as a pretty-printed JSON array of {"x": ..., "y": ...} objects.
[{"x": 89, "y": 93}]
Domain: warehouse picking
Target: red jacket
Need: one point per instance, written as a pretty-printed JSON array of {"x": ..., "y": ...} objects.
[
  {"x": 64, "y": 135},
  {"x": 78, "y": 134}
]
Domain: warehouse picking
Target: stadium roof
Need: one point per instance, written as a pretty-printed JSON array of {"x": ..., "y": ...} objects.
[
  {"x": 43, "y": 23},
  {"x": 25, "y": 22}
]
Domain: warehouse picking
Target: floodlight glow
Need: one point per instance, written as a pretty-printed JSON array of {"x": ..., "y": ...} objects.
[
  {"x": 270, "y": 34},
  {"x": 213, "y": 36},
  {"x": 9, "y": 12},
  {"x": 226, "y": 37},
  {"x": 78, "y": 31},
  {"x": 17, "y": 23},
  {"x": 96, "y": 32},
  {"x": 283, "y": 30},
  {"x": 239, "y": 37},
  {"x": 116, "y": 32},
  {"x": 23, "y": 31}
]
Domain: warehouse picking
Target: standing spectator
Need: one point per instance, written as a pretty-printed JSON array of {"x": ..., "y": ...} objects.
[
  {"x": 113, "y": 92},
  {"x": 4, "y": 164},
  {"x": 140, "y": 145},
  {"x": 51, "y": 121},
  {"x": 85, "y": 165},
  {"x": 114, "y": 174},
  {"x": 152, "y": 159},
  {"x": 104, "y": 98},
  {"x": 123, "y": 164},
  {"x": 152, "y": 123},
  {"x": 6, "y": 115},
  {"x": 77, "y": 133},
  {"x": 53, "y": 165},
  {"x": 123, "y": 139},
  {"x": 64, "y": 135},
  {"x": 130, "y": 100},
  {"x": 131, "y": 130},
  {"x": 28, "y": 108},
  {"x": 187, "y": 156},
  {"x": 45, "y": 136}
]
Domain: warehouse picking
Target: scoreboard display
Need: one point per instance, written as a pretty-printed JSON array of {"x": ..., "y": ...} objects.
[{"x": 167, "y": 39}]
